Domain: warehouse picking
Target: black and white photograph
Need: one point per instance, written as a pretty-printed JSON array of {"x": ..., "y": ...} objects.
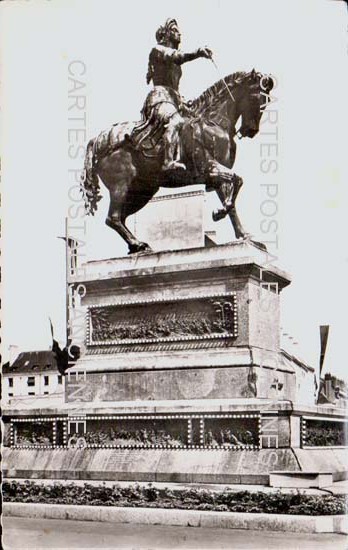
[{"x": 174, "y": 268}]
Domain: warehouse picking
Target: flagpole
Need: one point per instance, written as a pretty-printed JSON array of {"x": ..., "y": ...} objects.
[{"x": 66, "y": 281}]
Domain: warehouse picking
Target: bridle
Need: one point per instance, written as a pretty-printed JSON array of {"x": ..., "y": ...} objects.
[
  {"x": 261, "y": 108},
  {"x": 237, "y": 132}
]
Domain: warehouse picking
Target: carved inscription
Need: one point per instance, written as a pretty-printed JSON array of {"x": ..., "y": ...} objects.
[{"x": 173, "y": 320}]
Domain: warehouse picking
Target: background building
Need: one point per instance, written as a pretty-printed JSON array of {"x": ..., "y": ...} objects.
[
  {"x": 333, "y": 390},
  {"x": 33, "y": 374}
]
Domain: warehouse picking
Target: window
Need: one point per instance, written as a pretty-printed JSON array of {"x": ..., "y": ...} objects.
[
  {"x": 45, "y": 392},
  {"x": 10, "y": 382},
  {"x": 60, "y": 379},
  {"x": 46, "y": 380},
  {"x": 31, "y": 381},
  {"x": 31, "y": 393},
  {"x": 10, "y": 394}
]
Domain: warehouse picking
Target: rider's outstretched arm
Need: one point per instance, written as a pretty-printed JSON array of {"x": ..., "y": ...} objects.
[{"x": 180, "y": 57}]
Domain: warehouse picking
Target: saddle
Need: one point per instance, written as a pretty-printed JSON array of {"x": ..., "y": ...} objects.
[{"x": 146, "y": 136}]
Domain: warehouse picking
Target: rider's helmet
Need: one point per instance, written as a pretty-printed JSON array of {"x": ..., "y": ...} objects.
[{"x": 167, "y": 32}]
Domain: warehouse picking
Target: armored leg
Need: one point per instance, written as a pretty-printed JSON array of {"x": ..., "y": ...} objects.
[{"x": 171, "y": 144}]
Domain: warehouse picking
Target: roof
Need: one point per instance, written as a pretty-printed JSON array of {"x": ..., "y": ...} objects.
[
  {"x": 31, "y": 362},
  {"x": 290, "y": 359}
]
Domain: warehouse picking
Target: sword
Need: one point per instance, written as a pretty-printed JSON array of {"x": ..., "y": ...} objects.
[{"x": 223, "y": 79}]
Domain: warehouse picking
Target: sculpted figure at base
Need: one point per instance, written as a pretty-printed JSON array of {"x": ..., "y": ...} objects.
[{"x": 176, "y": 143}]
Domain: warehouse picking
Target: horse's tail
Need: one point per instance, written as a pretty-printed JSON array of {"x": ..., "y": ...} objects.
[{"x": 89, "y": 181}]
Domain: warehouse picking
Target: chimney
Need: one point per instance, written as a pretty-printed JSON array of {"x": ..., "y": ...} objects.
[{"x": 13, "y": 353}]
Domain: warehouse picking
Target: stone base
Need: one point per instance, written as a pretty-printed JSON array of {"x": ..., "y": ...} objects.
[
  {"x": 333, "y": 460},
  {"x": 279, "y": 429},
  {"x": 173, "y": 384},
  {"x": 184, "y": 466}
]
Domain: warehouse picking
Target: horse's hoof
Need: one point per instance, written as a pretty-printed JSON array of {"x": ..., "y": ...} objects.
[
  {"x": 259, "y": 244},
  {"x": 139, "y": 248},
  {"x": 248, "y": 237},
  {"x": 237, "y": 180},
  {"x": 218, "y": 215}
]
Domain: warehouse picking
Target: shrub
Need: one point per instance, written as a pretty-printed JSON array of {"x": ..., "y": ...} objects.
[
  {"x": 189, "y": 499},
  {"x": 151, "y": 493}
]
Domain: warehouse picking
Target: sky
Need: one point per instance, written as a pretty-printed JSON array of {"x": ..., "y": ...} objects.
[{"x": 304, "y": 44}]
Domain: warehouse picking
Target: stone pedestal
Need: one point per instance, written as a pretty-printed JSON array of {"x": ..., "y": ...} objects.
[
  {"x": 201, "y": 323},
  {"x": 172, "y": 221},
  {"x": 181, "y": 375}
]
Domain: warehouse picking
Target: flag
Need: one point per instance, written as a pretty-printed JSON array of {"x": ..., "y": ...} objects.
[
  {"x": 324, "y": 333},
  {"x": 72, "y": 247}
]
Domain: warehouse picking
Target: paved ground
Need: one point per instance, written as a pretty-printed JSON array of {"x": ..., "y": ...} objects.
[
  {"x": 339, "y": 487},
  {"x": 23, "y": 534}
]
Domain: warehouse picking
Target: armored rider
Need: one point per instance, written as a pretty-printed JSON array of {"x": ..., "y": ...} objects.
[{"x": 164, "y": 102}]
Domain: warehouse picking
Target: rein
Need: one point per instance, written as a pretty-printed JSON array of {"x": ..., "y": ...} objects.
[{"x": 223, "y": 80}]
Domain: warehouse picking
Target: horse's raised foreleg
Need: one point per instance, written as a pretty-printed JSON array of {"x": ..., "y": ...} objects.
[
  {"x": 117, "y": 222},
  {"x": 227, "y": 185},
  {"x": 225, "y": 192},
  {"x": 229, "y": 209}
]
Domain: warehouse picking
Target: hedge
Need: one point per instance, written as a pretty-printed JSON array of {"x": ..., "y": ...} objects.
[{"x": 187, "y": 499}]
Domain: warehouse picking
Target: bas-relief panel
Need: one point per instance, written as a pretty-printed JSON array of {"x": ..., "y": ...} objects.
[{"x": 170, "y": 320}]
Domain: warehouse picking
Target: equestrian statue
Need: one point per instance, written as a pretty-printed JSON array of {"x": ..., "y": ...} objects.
[{"x": 176, "y": 143}]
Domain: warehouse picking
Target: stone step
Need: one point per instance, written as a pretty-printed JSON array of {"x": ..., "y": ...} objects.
[{"x": 300, "y": 479}]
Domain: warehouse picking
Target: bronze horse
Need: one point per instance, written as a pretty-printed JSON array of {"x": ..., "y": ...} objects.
[{"x": 133, "y": 174}]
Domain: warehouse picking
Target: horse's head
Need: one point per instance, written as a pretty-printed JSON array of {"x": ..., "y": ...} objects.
[{"x": 254, "y": 96}]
